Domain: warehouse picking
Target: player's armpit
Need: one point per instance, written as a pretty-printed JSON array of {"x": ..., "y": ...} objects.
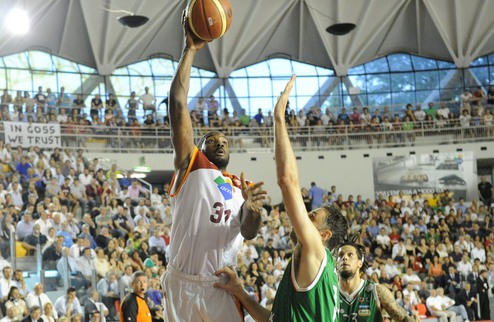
[{"x": 395, "y": 311}]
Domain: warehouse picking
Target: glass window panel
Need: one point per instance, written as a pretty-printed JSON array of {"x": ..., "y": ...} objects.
[
  {"x": 280, "y": 67},
  {"x": 121, "y": 86},
  {"x": 239, "y": 73},
  {"x": 40, "y": 60},
  {"x": 402, "y": 82},
  {"x": 260, "y": 87},
  {"x": 243, "y": 101},
  {"x": 162, "y": 67},
  {"x": 71, "y": 82},
  {"x": 84, "y": 77},
  {"x": 3, "y": 79},
  {"x": 197, "y": 85},
  {"x": 445, "y": 65},
  {"x": 481, "y": 61},
  {"x": 305, "y": 85},
  {"x": 400, "y": 62},
  {"x": 262, "y": 102},
  {"x": 121, "y": 71},
  {"x": 377, "y": 66},
  {"x": 378, "y": 83},
  {"x": 422, "y": 63},
  {"x": 302, "y": 101},
  {"x": 65, "y": 65},
  {"x": 259, "y": 69},
  {"x": 401, "y": 98},
  {"x": 482, "y": 74},
  {"x": 344, "y": 101},
  {"x": 358, "y": 81},
  {"x": 378, "y": 99},
  {"x": 302, "y": 69},
  {"x": 450, "y": 94},
  {"x": 16, "y": 61},
  {"x": 427, "y": 80},
  {"x": 19, "y": 80},
  {"x": 86, "y": 69},
  {"x": 140, "y": 68},
  {"x": 455, "y": 82},
  {"x": 139, "y": 83},
  {"x": 423, "y": 95},
  {"x": 324, "y": 71},
  {"x": 47, "y": 80},
  {"x": 240, "y": 86},
  {"x": 357, "y": 70},
  {"x": 204, "y": 73}
]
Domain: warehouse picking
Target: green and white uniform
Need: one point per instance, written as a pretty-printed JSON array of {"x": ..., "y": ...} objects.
[
  {"x": 362, "y": 305},
  {"x": 317, "y": 302}
]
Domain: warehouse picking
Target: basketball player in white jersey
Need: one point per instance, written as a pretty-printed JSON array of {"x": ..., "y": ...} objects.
[{"x": 213, "y": 212}]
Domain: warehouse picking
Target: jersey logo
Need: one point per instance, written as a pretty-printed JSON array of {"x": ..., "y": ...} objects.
[{"x": 225, "y": 187}]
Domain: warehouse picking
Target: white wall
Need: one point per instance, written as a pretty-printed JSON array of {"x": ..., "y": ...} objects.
[{"x": 351, "y": 175}]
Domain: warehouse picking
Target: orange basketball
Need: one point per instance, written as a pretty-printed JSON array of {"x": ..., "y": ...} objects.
[{"x": 209, "y": 19}]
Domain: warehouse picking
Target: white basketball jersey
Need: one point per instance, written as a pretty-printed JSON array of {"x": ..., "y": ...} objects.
[{"x": 205, "y": 222}]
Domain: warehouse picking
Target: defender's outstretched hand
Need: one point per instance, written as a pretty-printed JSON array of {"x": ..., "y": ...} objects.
[
  {"x": 280, "y": 107},
  {"x": 234, "y": 285},
  {"x": 253, "y": 194}
]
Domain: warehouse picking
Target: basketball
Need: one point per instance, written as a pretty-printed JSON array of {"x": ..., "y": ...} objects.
[{"x": 209, "y": 19}]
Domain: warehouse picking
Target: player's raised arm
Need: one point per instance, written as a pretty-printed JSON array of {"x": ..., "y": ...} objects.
[
  {"x": 288, "y": 179},
  {"x": 181, "y": 126}
]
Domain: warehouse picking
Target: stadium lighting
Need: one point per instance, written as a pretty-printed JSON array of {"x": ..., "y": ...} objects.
[{"x": 17, "y": 21}]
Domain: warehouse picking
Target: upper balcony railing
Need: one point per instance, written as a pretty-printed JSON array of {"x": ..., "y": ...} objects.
[{"x": 137, "y": 139}]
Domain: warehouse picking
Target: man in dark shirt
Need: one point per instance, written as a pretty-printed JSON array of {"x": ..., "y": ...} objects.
[
  {"x": 485, "y": 191},
  {"x": 36, "y": 238}
]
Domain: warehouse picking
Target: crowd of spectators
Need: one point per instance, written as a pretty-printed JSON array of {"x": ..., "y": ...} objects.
[
  {"x": 89, "y": 223},
  {"x": 435, "y": 253},
  {"x": 425, "y": 249},
  {"x": 470, "y": 117}
]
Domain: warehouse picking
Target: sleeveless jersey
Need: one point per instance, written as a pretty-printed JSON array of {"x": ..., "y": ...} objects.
[
  {"x": 205, "y": 233},
  {"x": 363, "y": 305},
  {"x": 318, "y": 302}
]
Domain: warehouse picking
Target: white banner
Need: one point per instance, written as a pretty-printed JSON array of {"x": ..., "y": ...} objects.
[{"x": 32, "y": 134}]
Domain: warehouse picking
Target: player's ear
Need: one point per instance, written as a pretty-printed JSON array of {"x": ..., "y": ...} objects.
[{"x": 326, "y": 234}]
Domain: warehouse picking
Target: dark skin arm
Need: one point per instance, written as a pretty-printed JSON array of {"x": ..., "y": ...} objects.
[
  {"x": 395, "y": 311},
  {"x": 250, "y": 221},
  {"x": 235, "y": 288},
  {"x": 182, "y": 134}
]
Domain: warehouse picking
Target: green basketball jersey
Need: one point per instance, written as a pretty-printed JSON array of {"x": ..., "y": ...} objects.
[
  {"x": 362, "y": 305},
  {"x": 318, "y": 302}
]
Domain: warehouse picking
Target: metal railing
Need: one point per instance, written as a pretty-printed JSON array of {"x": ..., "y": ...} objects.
[{"x": 258, "y": 139}]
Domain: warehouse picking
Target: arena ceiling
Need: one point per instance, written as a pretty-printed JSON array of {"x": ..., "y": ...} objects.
[{"x": 83, "y": 31}]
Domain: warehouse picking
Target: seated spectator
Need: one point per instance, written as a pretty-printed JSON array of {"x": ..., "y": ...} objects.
[
  {"x": 37, "y": 297},
  {"x": 14, "y": 301},
  {"x": 108, "y": 289},
  {"x": 24, "y": 227},
  {"x": 68, "y": 305},
  {"x": 85, "y": 264},
  {"x": 53, "y": 253},
  {"x": 92, "y": 304},
  {"x": 49, "y": 313},
  {"x": 34, "y": 314},
  {"x": 31, "y": 241}
]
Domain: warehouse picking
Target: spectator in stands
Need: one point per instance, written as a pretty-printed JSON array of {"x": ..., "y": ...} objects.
[
  {"x": 24, "y": 227},
  {"x": 148, "y": 101},
  {"x": 37, "y": 297},
  {"x": 434, "y": 304},
  {"x": 31, "y": 241},
  {"x": 108, "y": 289},
  {"x": 34, "y": 315},
  {"x": 467, "y": 297},
  {"x": 315, "y": 194},
  {"x": 19, "y": 305},
  {"x": 68, "y": 305},
  {"x": 92, "y": 304}
]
